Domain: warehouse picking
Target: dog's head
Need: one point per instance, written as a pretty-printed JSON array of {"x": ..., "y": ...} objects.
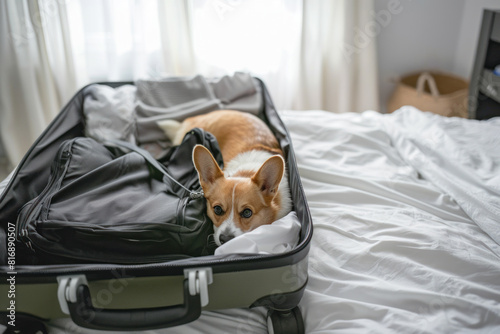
[{"x": 242, "y": 202}]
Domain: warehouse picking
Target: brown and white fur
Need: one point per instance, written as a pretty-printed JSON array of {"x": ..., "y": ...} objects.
[{"x": 253, "y": 189}]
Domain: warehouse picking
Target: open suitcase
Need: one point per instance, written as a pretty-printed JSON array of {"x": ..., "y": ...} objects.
[{"x": 149, "y": 295}]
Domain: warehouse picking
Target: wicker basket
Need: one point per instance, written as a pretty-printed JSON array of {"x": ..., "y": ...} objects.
[{"x": 439, "y": 93}]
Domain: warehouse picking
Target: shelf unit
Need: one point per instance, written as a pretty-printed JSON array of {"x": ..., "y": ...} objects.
[{"x": 484, "y": 89}]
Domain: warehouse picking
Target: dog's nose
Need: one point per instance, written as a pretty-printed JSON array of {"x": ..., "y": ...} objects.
[{"x": 225, "y": 238}]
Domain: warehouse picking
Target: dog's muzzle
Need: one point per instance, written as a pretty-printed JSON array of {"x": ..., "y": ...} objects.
[{"x": 223, "y": 238}]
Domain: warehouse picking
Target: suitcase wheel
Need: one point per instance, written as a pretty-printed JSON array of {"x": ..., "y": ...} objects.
[{"x": 285, "y": 322}]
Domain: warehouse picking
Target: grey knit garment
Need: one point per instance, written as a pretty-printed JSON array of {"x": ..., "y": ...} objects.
[{"x": 179, "y": 98}]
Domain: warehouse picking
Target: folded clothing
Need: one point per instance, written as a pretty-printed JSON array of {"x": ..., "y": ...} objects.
[
  {"x": 171, "y": 92},
  {"x": 109, "y": 112},
  {"x": 179, "y": 98},
  {"x": 130, "y": 113}
]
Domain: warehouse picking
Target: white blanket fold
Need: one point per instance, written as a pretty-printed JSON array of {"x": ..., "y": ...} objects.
[
  {"x": 279, "y": 237},
  {"x": 460, "y": 157}
]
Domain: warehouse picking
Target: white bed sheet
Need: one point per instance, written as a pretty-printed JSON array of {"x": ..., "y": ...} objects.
[
  {"x": 406, "y": 226},
  {"x": 392, "y": 251}
]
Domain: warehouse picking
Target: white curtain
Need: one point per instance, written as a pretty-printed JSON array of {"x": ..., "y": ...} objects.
[
  {"x": 37, "y": 72},
  {"x": 312, "y": 54},
  {"x": 177, "y": 37},
  {"x": 338, "y": 65},
  {"x": 51, "y": 48},
  {"x": 123, "y": 40},
  {"x": 259, "y": 36}
]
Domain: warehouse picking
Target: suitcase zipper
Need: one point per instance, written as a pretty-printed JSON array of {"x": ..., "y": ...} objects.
[
  {"x": 152, "y": 266},
  {"x": 58, "y": 170}
]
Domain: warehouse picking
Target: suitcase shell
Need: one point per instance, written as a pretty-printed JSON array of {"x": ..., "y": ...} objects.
[{"x": 158, "y": 295}]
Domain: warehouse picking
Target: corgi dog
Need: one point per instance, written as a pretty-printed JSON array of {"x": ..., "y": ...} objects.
[{"x": 253, "y": 189}]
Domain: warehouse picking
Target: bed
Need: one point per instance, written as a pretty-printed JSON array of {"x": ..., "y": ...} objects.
[{"x": 406, "y": 212}]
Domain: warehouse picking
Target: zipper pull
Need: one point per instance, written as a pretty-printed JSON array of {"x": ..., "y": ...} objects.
[
  {"x": 26, "y": 240},
  {"x": 196, "y": 194},
  {"x": 24, "y": 234},
  {"x": 65, "y": 156}
]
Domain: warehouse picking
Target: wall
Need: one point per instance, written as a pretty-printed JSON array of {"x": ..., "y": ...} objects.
[{"x": 428, "y": 35}]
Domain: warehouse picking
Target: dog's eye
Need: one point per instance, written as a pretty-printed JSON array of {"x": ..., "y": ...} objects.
[
  {"x": 247, "y": 213},
  {"x": 218, "y": 210}
]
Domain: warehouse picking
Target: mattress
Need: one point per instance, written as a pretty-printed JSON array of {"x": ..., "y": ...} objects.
[{"x": 406, "y": 212}]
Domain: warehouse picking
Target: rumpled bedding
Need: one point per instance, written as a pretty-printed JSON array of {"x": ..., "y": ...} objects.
[
  {"x": 406, "y": 226},
  {"x": 396, "y": 248},
  {"x": 461, "y": 158}
]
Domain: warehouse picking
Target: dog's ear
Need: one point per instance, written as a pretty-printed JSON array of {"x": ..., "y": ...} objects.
[
  {"x": 269, "y": 176},
  {"x": 206, "y": 166}
]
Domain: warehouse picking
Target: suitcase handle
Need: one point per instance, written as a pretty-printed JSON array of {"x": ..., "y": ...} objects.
[{"x": 84, "y": 314}]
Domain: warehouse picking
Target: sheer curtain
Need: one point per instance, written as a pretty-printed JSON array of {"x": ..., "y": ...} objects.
[
  {"x": 259, "y": 36},
  {"x": 51, "y": 48},
  {"x": 307, "y": 52},
  {"x": 338, "y": 64},
  {"x": 122, "y": 40},
  {"x": 37, "y": 72}
]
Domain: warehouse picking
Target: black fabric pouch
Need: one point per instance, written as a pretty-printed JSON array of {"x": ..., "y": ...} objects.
[{"x": 104, "y": 205}]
